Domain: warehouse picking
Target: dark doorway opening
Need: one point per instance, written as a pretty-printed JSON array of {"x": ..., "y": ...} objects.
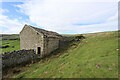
[{"x": 38, "y": 50}]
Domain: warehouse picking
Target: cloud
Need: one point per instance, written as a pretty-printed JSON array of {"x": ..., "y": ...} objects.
[
  {"x": 65, "y": 0},
  {"x": 9, "y": 26},
  {"x": 108, "y": 26},
  {"x": 3, "y": 10},
  {"x": 63, "y": 16}
]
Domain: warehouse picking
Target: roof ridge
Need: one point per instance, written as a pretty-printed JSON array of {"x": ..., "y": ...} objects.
[{"x": 46, "y": 32}]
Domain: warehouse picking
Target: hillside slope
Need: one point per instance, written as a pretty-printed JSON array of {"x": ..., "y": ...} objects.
[{"x": 93, "y": 57}]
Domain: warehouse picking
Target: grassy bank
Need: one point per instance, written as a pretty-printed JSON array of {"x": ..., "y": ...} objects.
[{"x": 93, "y": 57}]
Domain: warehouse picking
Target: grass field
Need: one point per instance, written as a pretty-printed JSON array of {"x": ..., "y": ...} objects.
[
  {"x": 12, "y": 41},
  {"x": 15, "y": 43},
  {"x": 93, "y": 57}
]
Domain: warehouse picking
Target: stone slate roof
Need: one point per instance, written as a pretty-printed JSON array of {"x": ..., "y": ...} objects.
[{"x": 46, "y": 33}]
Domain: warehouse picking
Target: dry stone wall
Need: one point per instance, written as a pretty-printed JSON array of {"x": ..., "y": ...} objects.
[{"x": 17, "y": 57}]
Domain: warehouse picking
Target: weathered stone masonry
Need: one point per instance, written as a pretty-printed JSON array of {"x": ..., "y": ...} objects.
[
  {"x": 42, "y": 41},
  {"x": 17, "y": 57}
]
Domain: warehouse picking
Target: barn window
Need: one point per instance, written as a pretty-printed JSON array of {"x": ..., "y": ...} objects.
[{"x": 38, "y": 50}]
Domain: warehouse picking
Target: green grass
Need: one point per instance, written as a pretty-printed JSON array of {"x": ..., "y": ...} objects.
[
  {"x": 10, "y": 40},
  {"x": 15, "y": 43},
  {"x": 80, "y": 60}
]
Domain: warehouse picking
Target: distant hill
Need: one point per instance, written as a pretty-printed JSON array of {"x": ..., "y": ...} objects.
[{"x": 9, "y": 36}]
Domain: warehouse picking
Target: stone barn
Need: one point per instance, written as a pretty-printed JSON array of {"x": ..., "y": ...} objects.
[{"x": 42, "y": 41}]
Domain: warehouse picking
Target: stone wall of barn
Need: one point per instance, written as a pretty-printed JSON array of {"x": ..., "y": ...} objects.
[
  {"x": 17, "y": 57},
  {"x": 31, "y": 39},
  {"x": 51, "y": 44}
]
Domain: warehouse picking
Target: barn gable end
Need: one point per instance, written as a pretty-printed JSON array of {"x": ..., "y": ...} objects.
[{"x": 31, "y": 39}]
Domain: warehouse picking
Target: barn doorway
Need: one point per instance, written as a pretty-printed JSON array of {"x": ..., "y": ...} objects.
[{"x": 38, "y": 50}]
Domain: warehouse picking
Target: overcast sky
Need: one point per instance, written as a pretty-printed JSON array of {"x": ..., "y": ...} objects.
[{"x": 62, "y": 16}]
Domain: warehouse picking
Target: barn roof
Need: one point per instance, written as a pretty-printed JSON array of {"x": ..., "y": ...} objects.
[{"x": 45, "y": 32}]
